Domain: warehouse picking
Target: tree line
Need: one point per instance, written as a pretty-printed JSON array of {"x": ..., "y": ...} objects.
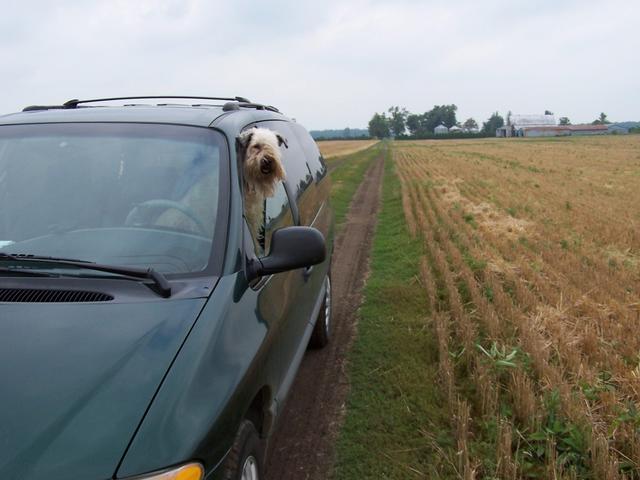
[
  {"x": 342, "y": 133},
  {"x": 397, "y": 121},
  {"x": 601, "y": 120}
]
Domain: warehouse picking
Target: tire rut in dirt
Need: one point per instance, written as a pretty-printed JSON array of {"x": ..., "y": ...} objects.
[{"x": 303, "y": 444}]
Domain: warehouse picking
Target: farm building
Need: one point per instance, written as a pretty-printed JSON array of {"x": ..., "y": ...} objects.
[
  {"x": 505, "y": 131},
  {"x": 554, "y": 131},
  {"x": 543, "y": 131},
  {"x": 455, "y": 129},
  {"x": 528, "y": 126},
  {"x": 525, "y": 121},
  {"x": 588, "y": 129},
  {"x": 545, "y": 126},
  {"x": 441, "y": 129}
]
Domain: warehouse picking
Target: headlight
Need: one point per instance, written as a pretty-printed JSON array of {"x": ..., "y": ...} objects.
[{"x": 191, "y": 471}]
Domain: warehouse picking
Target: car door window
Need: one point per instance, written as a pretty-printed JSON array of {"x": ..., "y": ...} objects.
[
  {"x": 314, "y": 157},
  {"x": 276, "y": 214}
]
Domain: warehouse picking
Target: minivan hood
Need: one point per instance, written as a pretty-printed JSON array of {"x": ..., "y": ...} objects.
[{"x": 76, "y": 380}]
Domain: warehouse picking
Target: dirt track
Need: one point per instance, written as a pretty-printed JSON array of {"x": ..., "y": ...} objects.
[{"x": 302, "y": 446}]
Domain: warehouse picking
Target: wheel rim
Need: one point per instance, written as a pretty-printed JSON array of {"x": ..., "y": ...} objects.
[
  {"x": 250, "y": 469},
  {"x": 327, "y": 307}
]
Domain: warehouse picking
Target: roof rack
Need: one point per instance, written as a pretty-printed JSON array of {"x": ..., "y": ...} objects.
[
  {"x": 229, "y": 106},
  {"x": 75, "y": 102}
]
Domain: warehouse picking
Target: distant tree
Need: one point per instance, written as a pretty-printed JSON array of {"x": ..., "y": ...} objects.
[
  {"x": 601, "y": 120},
  {"x": 379, "y": 126},
  {"x": 565, "y": 121},
  {"x": 397, "y": 120},
  {"x": 421, "y": 125},
  {"x": 439, "y": 114},
  {"x": 414, "y": 123},
  {"x": 548, "y": 112},
  {"x": 469, "y": 124},
  {"x": 346, "y": 133},
  {"x": 509, "y": 117},
  {"x": 490, "y": 126}
]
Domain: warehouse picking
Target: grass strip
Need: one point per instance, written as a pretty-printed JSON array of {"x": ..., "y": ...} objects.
[{"x": 346, "y": 178}]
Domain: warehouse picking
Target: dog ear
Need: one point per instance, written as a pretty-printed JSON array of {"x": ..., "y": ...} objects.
[
  {"x": 244, "y": 138},
  {"x": 282, "y": 141}
]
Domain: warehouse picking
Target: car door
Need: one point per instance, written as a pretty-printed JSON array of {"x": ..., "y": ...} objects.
[
  {"x": 318, "y": 213},
  {"x": 283, "y": 300},
  {"x": 276, "y": 296},
  {"x": 304, "y": 193}
]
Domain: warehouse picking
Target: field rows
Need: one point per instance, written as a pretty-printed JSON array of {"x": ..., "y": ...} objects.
[
  {"x": 337, "y": 148},
  {"x": 532, "y": 277}
]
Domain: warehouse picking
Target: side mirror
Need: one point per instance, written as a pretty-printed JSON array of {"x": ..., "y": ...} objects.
[{"x": 291, "y": 248}]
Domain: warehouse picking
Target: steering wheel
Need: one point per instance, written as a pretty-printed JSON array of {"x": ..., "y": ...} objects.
[{"x": 165, "y": 205}]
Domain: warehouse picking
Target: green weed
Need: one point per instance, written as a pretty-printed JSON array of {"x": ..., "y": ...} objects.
[
  {"x": 571, "y": 443},
  {"x": 468, "y": 217}
]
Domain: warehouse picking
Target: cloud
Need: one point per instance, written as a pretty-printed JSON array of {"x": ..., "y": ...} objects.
[{"x": 330, "y": 64}]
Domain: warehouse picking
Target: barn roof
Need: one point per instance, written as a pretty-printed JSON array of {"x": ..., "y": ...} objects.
[{"x": 519, "y": 120}]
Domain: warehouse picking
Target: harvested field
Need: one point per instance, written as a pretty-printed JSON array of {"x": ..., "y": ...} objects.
[
  {"x": 531, "y": 268},
  {"x": 336, "y": 148}
]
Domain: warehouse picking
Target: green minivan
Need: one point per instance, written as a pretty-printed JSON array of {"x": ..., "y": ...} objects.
[{"x": 144, "y": 334}]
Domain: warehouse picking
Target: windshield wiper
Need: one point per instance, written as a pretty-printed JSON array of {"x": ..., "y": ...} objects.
[
  {"x": 26, "y": 273},
  {"x": 161, "y": 284}
]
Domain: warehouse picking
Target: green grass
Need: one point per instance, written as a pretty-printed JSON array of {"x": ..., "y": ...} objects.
[
  {"x": 397, "y": 425},
  {"x": 346, "y": 177}
]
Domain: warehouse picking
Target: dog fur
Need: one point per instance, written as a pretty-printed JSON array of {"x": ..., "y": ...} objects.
[{"x": 262, "y": 170}]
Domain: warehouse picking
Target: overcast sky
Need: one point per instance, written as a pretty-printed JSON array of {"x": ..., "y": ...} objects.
[{"x": 331, "y": 64}]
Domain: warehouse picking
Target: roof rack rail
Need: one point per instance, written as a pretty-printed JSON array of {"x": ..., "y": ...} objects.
[
  {"x": 75, "y": 102},
  {"x": 235, "y": 105},
  {"x": 32, "y": 108}
]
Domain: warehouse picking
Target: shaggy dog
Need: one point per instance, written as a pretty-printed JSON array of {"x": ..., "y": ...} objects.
[{"x": 262, "y": 170}]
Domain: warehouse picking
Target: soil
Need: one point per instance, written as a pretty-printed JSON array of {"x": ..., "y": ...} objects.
[{"x": 302, "y": 446}]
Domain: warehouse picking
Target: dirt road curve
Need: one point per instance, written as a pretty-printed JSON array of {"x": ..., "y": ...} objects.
[{"x": 302, "y": 446}]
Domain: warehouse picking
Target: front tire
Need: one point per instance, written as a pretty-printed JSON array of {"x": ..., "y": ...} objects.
[
  {"x": 245, "y": 458},
  {"x": 322, "y": 329}
]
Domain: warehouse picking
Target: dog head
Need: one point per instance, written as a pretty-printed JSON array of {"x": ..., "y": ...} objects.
[{"x": 262, "y": 159}]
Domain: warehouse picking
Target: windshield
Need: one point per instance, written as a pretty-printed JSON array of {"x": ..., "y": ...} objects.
[{"x": 122, "y": 194}]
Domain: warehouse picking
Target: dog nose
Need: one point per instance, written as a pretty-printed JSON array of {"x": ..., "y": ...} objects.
[{"x": 265, "y": 165}]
